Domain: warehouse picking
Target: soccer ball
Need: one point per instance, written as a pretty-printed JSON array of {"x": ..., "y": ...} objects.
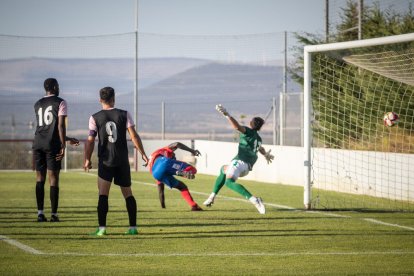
[{"x": 390, "y": 119}]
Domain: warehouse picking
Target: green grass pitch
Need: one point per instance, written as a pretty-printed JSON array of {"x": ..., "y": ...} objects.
[{"x": 231, "y": 238}]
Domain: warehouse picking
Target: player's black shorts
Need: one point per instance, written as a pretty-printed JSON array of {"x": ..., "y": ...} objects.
[
  {"x": 121, "y": 174},
  {"x": 46, "y": 159}
]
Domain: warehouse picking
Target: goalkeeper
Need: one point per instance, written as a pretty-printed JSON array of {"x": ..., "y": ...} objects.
[
  {"x": 249, "y": 144},
  {"x": 163, "y": 166}
]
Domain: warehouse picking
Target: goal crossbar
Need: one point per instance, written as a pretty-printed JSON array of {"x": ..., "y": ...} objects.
[{"x": 360, "y": 43}]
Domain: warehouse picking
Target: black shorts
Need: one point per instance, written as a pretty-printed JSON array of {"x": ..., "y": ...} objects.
[
  {"x": 46, "y": 159},
  {"x": 121, "y": 174}
]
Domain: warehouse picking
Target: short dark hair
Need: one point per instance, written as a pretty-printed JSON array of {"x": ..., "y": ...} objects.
[
  {"x": 51, "y": 85},
  {"x": 257, "y": 123},
  {"x": 107, "y": 94}
]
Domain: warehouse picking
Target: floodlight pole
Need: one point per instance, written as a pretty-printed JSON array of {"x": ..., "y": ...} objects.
[
  {"x": 282, "y": 102},
  {"x": 327, "y": 21},
  {"x": 360, "y": 11},
  {"x": 136, "y": 84},
  {"x": 285, "y": 65},
  {"x": 274, "y": 120},
  {"x": 162, "y": 120}
]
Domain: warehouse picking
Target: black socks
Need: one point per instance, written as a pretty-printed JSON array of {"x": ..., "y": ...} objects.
[
  {"x": 54, "y": 198},
  {"x": 102, "y": 209},
  {"x": 131, "y": 206},
  {"x": 40, "y": 194}
]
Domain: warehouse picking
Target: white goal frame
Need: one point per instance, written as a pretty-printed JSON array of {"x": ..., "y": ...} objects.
[{"x": 307, "y": 136}]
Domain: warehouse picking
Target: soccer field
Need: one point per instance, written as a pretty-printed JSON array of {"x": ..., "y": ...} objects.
[{"x": 231, "y": 238}]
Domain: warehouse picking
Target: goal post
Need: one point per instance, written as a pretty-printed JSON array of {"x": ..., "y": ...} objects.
[{"x": 347, "y": 90}]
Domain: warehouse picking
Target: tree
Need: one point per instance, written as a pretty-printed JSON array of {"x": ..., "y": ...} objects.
[{"x": 333, "y": 101}]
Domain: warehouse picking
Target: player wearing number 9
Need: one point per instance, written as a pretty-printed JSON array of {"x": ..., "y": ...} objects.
[
  {"x": 111, "y": 125},
  {"x": 49, "y": 145}
]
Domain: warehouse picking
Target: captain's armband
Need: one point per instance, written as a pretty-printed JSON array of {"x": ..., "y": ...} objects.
[{"x": 93, "y": 133}]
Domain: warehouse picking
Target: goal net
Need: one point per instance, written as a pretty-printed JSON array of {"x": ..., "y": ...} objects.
[{"x": 353, "y": 160}]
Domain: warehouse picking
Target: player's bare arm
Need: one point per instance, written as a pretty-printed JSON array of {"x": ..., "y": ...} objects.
[
  {"x": 89, "y": 146},
  {"x": 236, "y": 124},
  {"x": 62, "y": 137},
  {"x": 232, "y": 121},
  {"x": 178, "y": 145},
  {"x": 138, "y": 144}
]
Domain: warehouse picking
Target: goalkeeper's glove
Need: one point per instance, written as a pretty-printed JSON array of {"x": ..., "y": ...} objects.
[
  {"x": 269, "y": 157},
  {"x": 222, "y": 110}
]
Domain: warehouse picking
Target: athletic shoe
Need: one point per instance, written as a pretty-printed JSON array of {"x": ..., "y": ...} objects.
[
  {"x": 54, "y": 218},
  {"x": 210, "y": 200},
  {"x": 185, "y": 174},
  {"x": 196, "y": 208},
  {"x": 99, "y": 232},
  {"x": 41, "y": 218},
  {"x": 133, "y": 231},
  {"x": 258, "y": 202}
]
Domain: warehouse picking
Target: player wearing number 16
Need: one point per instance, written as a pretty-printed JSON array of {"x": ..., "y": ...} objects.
[
  {"x": 49, "y": 146},
  {"x": 111, "y": 125}
]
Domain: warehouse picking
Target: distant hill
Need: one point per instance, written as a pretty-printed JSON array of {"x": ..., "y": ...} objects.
[
  {"x": 190, "y": 89},
  {"x": 190, "y": 96}
]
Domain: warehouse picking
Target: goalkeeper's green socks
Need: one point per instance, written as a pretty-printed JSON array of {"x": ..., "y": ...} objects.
[
  {"x": 221, "y": 179},
  {"x": 238, "y": 188}
]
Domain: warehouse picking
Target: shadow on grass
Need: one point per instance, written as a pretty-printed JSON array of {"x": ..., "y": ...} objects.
[
  {"x": 216, "y": 235},
  {"x": 363, "y": 210}
]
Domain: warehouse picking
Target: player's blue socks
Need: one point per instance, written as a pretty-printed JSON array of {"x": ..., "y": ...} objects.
[
  {"x": 238, "y": 188},
  {"x": 102, "y": 209},
  {"x": 131, "y": 206}
]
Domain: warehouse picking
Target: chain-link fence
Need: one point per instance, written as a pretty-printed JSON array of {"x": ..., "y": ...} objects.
[{"x": 180, "y": 80}]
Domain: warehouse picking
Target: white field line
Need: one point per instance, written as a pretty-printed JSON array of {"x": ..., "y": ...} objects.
[
  {"x": 33, "y": 251},
  {"x": 21, "y": 246},
  {"x": 388, "y": 224},
  {"x": 287, "y": 207},
  {"x": 281, "y": 254}
]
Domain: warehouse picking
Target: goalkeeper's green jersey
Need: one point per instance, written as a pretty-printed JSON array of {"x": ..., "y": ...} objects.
[{"x": 249, "y": 144}]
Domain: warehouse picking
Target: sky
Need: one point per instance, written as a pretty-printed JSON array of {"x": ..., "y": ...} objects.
[
  {"x": 196, "y": 18},
  {"x": 58, "y": 18}
]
